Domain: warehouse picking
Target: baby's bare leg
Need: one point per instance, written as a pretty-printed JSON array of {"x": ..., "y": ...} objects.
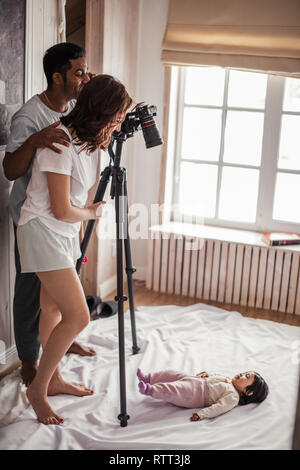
[{"x": 65, "y": 287}]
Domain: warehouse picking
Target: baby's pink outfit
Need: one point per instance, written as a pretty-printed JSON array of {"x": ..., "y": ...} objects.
[{"x": 180, "y": 389}]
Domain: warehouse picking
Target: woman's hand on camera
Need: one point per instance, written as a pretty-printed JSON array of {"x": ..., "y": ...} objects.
[{"x": 96, "y": 209}]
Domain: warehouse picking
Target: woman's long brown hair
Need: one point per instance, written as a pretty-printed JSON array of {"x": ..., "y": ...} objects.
[{"x": 96, "y": 109}]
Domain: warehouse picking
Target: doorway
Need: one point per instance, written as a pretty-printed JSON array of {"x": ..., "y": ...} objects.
[{"x": 75, "y": 21}]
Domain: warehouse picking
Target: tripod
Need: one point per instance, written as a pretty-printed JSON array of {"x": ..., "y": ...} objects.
[{"x": 119, "y": 193}]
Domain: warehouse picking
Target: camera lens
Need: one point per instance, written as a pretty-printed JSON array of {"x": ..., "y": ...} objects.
[{"x": 150, "y": 132}]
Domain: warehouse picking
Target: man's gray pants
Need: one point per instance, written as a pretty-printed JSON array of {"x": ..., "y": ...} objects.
[{"x": 26, "y": 310}]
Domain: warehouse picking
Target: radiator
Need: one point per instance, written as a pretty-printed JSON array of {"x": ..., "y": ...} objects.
[{"x": 225, "y": 272}]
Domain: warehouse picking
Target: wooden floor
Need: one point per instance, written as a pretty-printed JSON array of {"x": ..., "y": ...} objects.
[{"x": 144, "y": 296}]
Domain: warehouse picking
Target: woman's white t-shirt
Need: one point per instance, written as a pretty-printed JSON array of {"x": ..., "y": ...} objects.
[{"x": 81, "y": 167}]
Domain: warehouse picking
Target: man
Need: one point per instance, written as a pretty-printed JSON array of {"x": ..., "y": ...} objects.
[{"x": 33, "y": 127}]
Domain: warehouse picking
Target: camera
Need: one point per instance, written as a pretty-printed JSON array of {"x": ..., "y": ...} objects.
[{"x": 141, "y": 117}]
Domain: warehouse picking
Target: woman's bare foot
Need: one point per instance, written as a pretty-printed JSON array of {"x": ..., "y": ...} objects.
[
  {"x": 58, "y": 385},
  {"x": 77, "y": 348},
  {"x": 42, "y": 409},
  {"x": 28, "y": 371}
]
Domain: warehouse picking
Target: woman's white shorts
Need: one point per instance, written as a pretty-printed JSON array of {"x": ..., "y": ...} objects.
[{"x": 41, "y": 249}]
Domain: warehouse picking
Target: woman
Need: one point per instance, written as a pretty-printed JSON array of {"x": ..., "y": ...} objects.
[{"x": 49, "y": 226}]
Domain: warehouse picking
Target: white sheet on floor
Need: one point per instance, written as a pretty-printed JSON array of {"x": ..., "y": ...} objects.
[
  {"x": 13, "y": 399},
  {"x": 191, "y": 339}
]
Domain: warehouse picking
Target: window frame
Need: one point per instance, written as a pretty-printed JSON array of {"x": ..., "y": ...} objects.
[{"x": 268, "y": 168}]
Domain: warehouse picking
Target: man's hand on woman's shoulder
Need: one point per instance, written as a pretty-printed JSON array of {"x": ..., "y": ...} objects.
[{"x": 49, "y": 136}]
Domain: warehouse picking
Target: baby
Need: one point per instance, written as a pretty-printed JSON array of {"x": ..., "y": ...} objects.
[{"x": 215, "y": 394}]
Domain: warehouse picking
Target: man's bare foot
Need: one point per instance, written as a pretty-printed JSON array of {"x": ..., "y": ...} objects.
[
  {"x": 58, "y": 385},
  {"x": 28, "y": 371},
  {"x": 42, "y": 409},
  {"x": 77, "y": 348}
]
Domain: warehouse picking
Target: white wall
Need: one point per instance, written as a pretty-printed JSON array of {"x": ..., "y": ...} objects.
[
  {"x": 120, "y": 42},
  {"x": 41, "y": 33},
  {"x": 144, "y": 171}
]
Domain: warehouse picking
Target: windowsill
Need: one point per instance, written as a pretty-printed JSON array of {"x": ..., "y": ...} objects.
[{"x": 218, "y": 233}]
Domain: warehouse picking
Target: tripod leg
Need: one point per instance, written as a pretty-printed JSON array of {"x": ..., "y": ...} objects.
[
  {"x": 120, "y": 298},
  {"x": 130, "y": 270},
  {"x": 123, "y": 417},
  {"x": 105, "y": 175}
]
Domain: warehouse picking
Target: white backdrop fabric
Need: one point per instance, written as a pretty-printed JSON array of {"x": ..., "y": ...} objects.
[{"x": 190, "y": 339}]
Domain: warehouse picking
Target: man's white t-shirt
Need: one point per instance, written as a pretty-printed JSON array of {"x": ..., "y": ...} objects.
[
  {"x": 81, "y": 167},
  {"x": 31, "y": 118}
]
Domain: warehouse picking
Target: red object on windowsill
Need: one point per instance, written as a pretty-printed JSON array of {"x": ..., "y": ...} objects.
[{"x": 277, "y": 239}]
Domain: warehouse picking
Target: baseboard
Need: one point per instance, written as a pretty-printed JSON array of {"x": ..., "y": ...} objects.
[{"x": 8, "y": 358}]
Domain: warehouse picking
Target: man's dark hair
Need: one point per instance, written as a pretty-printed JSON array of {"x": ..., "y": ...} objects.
[
  {"x": 259, "y": 388},
  {"x": 57, "y": 59}
]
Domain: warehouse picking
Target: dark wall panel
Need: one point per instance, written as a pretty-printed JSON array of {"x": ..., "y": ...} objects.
[{"x": 12, "y": 60}]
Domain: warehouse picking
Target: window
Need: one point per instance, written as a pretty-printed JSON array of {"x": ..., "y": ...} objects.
[{"x": 236, "y": 141}]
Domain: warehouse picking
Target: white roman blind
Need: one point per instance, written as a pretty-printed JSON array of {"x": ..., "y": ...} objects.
[{"x": 262, "y": 35}]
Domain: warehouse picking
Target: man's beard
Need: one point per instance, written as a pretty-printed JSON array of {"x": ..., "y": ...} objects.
[{"x": 74, "y": 93}]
